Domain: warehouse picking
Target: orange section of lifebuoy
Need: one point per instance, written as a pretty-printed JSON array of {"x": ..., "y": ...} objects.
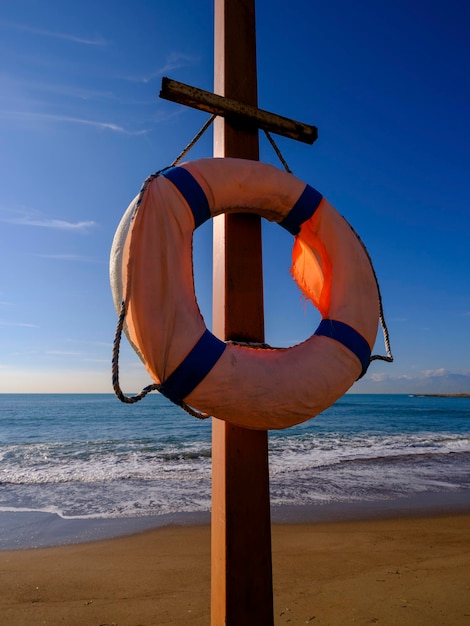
[{"x": 151, "y": 271}]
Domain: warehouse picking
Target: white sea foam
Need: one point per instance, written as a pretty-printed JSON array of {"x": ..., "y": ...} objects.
[{"x": 82, "y": 458}]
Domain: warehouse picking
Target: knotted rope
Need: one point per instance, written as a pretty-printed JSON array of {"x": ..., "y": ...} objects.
[{"x": 146, "y": 390}]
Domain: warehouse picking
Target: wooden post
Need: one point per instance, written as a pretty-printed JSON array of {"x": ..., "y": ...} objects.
[{"x": 241, "y": 586}]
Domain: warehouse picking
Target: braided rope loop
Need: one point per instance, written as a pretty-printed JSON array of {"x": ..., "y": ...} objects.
[
  {"x": 377, "y": 357},
  {"x": 146, "y": 390}
]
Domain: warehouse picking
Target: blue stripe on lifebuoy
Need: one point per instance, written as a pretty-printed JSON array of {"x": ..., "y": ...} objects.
[
  {"x": 194, "y": 368},
  {"x": 192, "y": 192},
  {"x": 349, "y": 337},
  {"x": 302, "y": 210}
]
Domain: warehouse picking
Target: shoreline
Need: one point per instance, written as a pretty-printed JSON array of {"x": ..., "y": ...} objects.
[
  {"x": 23, "y": 530},
  {"x": 410, "y": 570}
]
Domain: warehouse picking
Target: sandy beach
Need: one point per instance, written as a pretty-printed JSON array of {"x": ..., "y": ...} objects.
[{"x": 410, "y": 570}]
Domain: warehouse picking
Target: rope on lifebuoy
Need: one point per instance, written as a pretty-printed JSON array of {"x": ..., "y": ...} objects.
[
  {"x": 383, "y": 324},
  {"x": 146, "y": 390},
  {"x": 267, "y": 192}
]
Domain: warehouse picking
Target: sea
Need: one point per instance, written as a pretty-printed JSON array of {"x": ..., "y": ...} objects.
[{"x": 81, "y": 467}]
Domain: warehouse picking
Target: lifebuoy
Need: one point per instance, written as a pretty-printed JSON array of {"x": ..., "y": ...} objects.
[{"x": 151, "y": 272}]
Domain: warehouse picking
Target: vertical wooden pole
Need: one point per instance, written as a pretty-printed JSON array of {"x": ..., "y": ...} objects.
[{"x": 241, "y": 530}]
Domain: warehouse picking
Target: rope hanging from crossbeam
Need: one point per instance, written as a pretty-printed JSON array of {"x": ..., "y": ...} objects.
[{"x": 207, "y": 125}]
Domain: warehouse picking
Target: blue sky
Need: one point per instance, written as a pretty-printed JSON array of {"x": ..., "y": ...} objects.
[{"x": 81, "y": 127}]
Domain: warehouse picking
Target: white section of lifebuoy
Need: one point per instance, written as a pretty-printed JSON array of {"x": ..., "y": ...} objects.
[{"x": 151, "y": 269}]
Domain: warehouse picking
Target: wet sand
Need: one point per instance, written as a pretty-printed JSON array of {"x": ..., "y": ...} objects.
[{"x": 404, "y": 571}]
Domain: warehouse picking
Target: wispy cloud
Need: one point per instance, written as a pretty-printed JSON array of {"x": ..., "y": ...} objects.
[
  {"x": 90, "y": 360},
  {"x": 68, "y": 257},
  {"x": 71, "y": 91},
  {"x": 63, "y": 353},
  {"x": 439, "y": 380},
  {"x": 93, "y": 41},
  {"x": 23, "y": 116},
  {"x": 80, "y": 357},
  {"x": 50, "y": 223},
  {"x": 174, "y": 61},
  {"x": 177, "y": 60},
  {"x": 432, "y": 373},
  {"x": 89, "y": 342},
  {"x": 18, "y": 324}
]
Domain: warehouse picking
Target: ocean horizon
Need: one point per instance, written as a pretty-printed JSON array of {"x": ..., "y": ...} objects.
[{"x": 75, "y": 467}]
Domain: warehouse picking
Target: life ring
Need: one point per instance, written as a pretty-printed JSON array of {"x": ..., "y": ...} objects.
[{"x": 151, "y": 272}]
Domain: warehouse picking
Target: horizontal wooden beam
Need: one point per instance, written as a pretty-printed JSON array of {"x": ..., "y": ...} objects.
[{"x": 232, "y": 109}]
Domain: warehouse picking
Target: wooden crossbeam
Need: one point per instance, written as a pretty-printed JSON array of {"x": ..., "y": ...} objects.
[{"x": 232, "y": 109}]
